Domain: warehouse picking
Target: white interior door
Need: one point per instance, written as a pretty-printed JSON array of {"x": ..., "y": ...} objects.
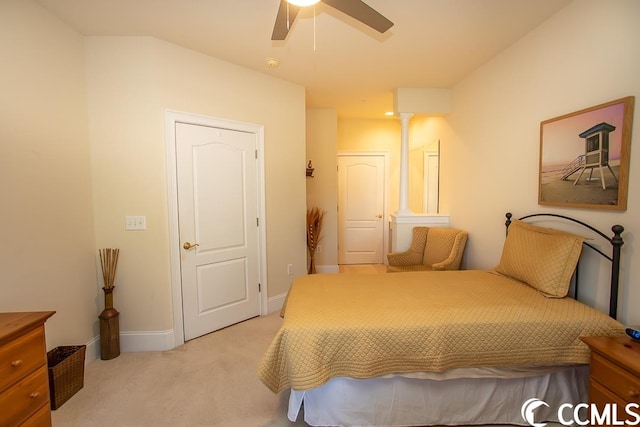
[
  {"x": 217, "y": 218},
  {"x": 361, "y": 209}
]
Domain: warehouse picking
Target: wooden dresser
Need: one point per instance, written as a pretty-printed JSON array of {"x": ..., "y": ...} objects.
[
  {"x": 614, "y": 372},
  {"x": 24, "y": 381}
]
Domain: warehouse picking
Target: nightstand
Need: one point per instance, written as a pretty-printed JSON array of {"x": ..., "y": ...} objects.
[
  {"x": 24, "y": 382},
  {"x": 614, "y": 371}
]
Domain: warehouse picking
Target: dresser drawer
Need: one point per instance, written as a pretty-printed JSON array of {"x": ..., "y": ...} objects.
[
  {"x": 601, "y": 396},
  {"x": 21, "y": 356},
  {"x": 42, "y": 418},
  {"x": 618, "y": 380},
  {"x": 24, "y": 398}
]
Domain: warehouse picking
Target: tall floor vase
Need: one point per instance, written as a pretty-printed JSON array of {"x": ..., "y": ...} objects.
[
  {"x": 109, "y": 328},
  {"x": 312, "y": 264}
]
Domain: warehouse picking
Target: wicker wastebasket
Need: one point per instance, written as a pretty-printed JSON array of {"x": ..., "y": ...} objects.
[{"x": 66, "y": 373}]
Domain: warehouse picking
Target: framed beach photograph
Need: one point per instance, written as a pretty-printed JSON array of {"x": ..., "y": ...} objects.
[{"x": 584, "y": 157}]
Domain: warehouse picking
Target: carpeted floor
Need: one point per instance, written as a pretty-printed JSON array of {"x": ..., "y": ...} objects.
[{"x": 209, "y": 381}]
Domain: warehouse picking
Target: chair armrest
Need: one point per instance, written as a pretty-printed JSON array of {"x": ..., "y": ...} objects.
[
  {"x": 455, "y": 257},
  {"x": 415, "y": 254}
]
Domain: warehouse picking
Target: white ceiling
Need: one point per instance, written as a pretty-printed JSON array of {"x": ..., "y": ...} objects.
[{"x": 353, "y": 69}]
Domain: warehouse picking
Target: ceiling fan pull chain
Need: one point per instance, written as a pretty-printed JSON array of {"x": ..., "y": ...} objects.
[{"x": 288, "y": 25}]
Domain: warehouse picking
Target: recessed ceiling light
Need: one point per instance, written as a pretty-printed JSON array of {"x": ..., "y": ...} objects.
[{"x": 273, "y": 62}]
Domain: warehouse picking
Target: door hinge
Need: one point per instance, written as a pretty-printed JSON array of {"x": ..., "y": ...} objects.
[
  {"x": 257, "y": 222},
  {"x": 256, "y": 154},
  {"x": 259, "y": 287}
]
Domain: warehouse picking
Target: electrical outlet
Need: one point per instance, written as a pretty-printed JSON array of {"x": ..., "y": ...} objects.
[
  {"x": 290, "y": 269},
  {"x": 319, "y": 249}
]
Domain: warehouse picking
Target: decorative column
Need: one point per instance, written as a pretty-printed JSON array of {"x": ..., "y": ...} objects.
[
  {"x": 404, "y": 220},
  {"x": 432, "y": 101},
  {"x": 403, "y": 209}
]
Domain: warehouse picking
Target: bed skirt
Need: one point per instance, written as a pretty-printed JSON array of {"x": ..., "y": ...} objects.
[{"x": 440, "y": 400}]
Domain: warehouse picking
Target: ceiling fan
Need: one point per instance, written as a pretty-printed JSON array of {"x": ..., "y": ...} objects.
[{"x": 357, "y": 9}]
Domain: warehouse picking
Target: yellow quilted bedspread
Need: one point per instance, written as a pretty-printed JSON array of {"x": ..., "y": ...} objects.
[{"x": 363, "y": 326}]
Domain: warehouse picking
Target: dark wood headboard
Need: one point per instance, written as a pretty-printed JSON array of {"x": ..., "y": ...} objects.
[{"x": 615, "y": 241}]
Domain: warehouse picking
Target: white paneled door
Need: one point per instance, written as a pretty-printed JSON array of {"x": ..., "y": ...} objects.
[
  {"x": 217, "y": 219},
  {"x": 360, "y": 209}
]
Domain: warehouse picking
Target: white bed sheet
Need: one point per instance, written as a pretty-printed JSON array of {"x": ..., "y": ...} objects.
[{"x": 457, "y": 397}]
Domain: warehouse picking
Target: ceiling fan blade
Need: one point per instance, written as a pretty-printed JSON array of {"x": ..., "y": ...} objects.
[
  {"x": 364, "y": 13},
  {"x": 284, "y": 20}
]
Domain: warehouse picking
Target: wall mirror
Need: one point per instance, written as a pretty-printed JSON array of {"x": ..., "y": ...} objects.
[{"x": 431, "y": 175}]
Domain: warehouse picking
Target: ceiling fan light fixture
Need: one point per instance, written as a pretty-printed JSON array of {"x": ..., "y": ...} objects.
[
  {"x": 357, "y": 9},
  {"x": 303, "y": 3}
]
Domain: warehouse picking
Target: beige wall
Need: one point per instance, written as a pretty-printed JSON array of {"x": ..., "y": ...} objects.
[
  {"x": 322, "y": 136},
  {"x": 382, "y": 135},
  {"x": 47, "y": 246},
  {"x": 385, "y": 135},
  {"x": 83, "y": 145},
  {"x": 132, "y": 80},
  {"x": 490, "y": 140},
  {"x": 585, "y": 55},
  {"x": 71, "y": 166}
]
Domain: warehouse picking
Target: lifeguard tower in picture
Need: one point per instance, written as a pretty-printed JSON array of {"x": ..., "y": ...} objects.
[{"x": 596, "y": 143}]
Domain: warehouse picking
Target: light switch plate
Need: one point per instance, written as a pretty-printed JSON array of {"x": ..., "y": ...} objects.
[{"x": 135, "y": 223}]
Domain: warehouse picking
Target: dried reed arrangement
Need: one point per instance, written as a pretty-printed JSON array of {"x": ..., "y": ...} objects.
[
  {"x": 314, "y": 228},
  {"x": 109, "y": 262}
]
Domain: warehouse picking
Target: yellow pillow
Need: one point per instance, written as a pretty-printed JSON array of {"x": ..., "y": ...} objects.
[{"x": 541, "y": 257}]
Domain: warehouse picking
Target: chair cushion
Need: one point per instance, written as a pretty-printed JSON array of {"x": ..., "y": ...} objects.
[
  {"x": 440, "y": 241},
  {"x": 541, "y": 257}
]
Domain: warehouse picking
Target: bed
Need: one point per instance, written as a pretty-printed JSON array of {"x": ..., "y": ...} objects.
[{"x": 444, "y": 347}]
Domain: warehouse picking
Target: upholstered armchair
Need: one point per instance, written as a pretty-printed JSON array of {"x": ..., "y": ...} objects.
[{"x": 431, "y": 249}]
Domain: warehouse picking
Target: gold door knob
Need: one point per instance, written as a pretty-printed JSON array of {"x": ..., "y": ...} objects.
[
  {"x": 379, "y": 215},
  {"x": 188, "y": 245}
]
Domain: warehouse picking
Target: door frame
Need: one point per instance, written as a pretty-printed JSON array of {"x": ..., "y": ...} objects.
[
  {"x": 385, "y": 197},
  {"x": 171, "y": 118}
]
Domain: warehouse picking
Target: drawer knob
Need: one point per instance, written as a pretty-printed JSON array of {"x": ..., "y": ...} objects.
[
  {"x": 633, "y": 393},
  {"x": 16, "y": 363},
  {"x": 35, "y": 395}
]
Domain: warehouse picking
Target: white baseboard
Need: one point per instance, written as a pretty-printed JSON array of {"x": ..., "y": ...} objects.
[
  {"x": 93, "y": 350},
  {"x": 134, "y": 341},
  {"x": 157, "y": 341},
  {"x": 147, "y": 341},
  {"x": 275, "y": 303}
]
